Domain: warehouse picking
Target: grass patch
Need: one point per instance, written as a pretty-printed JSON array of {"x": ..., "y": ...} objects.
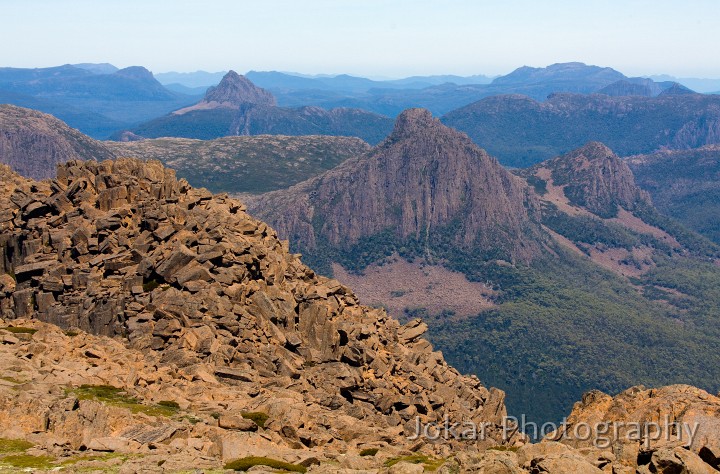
[
  {"x": 257, "y": 416},
  {"x": 191, "y": 419},
  {"x": 14, "y": 445},
  {"x": 369, "y": 452},
  {"x": 169, "y": 404},
  {"x": 512, "y": 449},
  {"x": 430, "y": 464},
  {"x": 19, "y": 330},
  {"x": 27, "y": 461},
  {"x": 246, "y": 463},
  {"x": 11, "y": 380},
  {"x": 119, "y": 398},
  {"x": 94, "y": 458},
  {"x": 72, "y": 332}
]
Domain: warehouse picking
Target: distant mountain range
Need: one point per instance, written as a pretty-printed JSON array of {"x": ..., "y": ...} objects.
[
  {"x": 439, "y": 94},
  {"x": 521, "y": 131},
  {"x": 97, "y": 99},
  {"x": 392, "y": 97},
  {"x": 100, "y": 99},
  {"x": 697, "y": 84},
  {"x": 291, "y": 80},
  {"x": 238, "y": 107},
  {"x": 633, "y": 115}
]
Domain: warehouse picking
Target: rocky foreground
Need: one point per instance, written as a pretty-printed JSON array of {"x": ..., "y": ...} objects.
[{"x": 151, "y": 327}]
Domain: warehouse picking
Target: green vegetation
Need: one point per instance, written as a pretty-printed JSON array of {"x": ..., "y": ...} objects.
[
  {"x": 247, "y": 164},
  {"x": 430, "y": 464},
  {"x": 119, "y": 398},
  {"x": 258, "y": 417},
  {"x": 169, "y": 404},
  {"x": 95, "y": 458},
  {"x": 14, "y": 445},
  {"x": 11, "y": 380},
  {"x": 369, "y": 452},
  {"x": 684, "y": 185},
  {"x": 27, "y": 461},
  {"x": 12, "y": 455},
  {"x": 246, "y": 463},
  {"x": 19, "y": 330},
  {"x": 511, "y": 449},
  {"x": 563, "y": 325},
  {"x": 697, "y": 244},
  {"x": 591, "y": 230}
]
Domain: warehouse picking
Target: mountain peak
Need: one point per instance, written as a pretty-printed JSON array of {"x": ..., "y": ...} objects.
[
  {"x": 560, "y": 71},
  {"x": 235, "y": 90},
  {"x": 410, "y": 121},
  {"x": 677, "y": 89},
  {"x": 136, "y": 72},
  {"x": 419, "y": 182},
  {"x": 593, "y": 151},
  {"x": 595, "y": 178}
]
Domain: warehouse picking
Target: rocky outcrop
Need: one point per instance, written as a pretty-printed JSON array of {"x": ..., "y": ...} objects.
[
  {"x": 209, "y": 294},
  {"x": 670, "y": 429},
  {"x": 233, "y": 92},
  {"x": 594, "y": 178},
  {"x": 418, "y": 182},
  {"x": 33, "y": 143}
]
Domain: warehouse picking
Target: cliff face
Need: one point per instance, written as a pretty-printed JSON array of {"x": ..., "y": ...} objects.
[
  {"x": 124, "y": 249},
  {"x": 33, "y": 143},
  {"x": 422, "y": 179},
  {"x": 595, "y": 178}
]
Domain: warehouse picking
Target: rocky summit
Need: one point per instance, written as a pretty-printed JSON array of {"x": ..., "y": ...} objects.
[
  {"x": 210, "y": 313},
  {"x": 233, "y": 92},
  {"x": 595, "y": 178},
  {"x": 424, "y": 179}
]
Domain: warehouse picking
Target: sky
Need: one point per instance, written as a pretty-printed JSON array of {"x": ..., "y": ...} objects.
[{"x": 373, "y": 38}]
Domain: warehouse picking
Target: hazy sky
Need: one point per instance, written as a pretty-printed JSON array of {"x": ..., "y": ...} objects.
[{"x": 366, "y": 37}]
